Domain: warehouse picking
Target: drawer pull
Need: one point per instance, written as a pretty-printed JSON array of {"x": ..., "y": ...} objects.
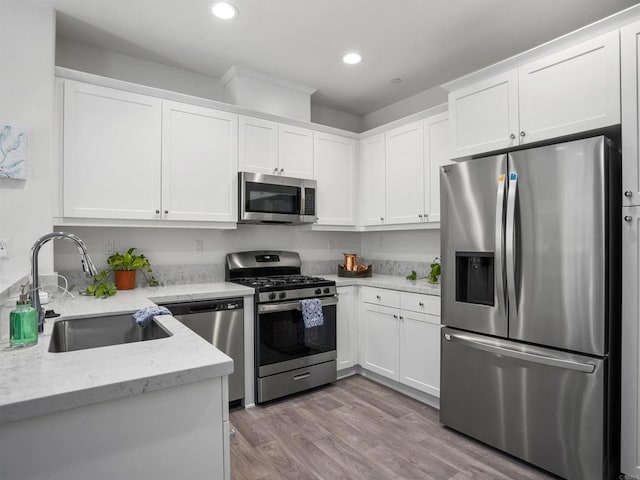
[
  {"x": 421, "y": 304},
  {"x": 302, "y": 376},
  {"x": 378, "y": 297}
]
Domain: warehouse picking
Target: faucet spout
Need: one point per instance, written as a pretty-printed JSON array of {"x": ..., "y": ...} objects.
[{"x": 87, "y": 266}]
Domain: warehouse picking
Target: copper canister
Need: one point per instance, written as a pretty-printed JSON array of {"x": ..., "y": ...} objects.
[{"x": 350, "y": 261}]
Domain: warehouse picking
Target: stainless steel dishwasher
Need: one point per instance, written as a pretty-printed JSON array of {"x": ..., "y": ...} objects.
[{"x": 220, "y": 322}]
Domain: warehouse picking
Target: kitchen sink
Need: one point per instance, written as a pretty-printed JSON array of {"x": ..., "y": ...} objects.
[{"x": 94, "y": 332}]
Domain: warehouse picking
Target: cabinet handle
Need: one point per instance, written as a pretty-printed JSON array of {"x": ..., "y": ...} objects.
[
  {"x": 628, "y": 194},
  {"x": 282, "y": 170},
  {"x": 157, "y": 212},
  {"x": 395, "y": 316},
  {"x": 401, "y": 317},
  {"x": 275, "y": 170},
  {"x": 378, "y": 297},
  {"x": 166, "y": 212},
  {"x": 512, "y": 136},
  {"x": 426, "y": 216},
  {"x": 419, "y": 215},
  {"x": 421, "y": 304},
  {"x": 382, "y": 219},
  {"x": 628, "y": 218},
  {"x": 522, "y": 134}
]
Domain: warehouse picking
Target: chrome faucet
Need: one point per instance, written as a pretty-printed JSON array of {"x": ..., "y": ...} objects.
[{"x": 87, "y": 266}]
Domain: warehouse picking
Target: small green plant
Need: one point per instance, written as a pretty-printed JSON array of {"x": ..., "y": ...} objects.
[
  {"x": 434, "y": 273},
  {"x": 101, "y": 286},
  {"x": 130, "y": 261},
  {"x": 412, "y": 276}
]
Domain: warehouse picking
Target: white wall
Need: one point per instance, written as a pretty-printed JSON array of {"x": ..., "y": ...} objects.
[
  {"x": 409, "y": 245},
  {"x": 336, "y": 118},
  {"x": 178, "y": 247},
  {"x": 27, "y": 36},
  {"x": 87, "y": 58},
  {"x": 416, "y": 103}
]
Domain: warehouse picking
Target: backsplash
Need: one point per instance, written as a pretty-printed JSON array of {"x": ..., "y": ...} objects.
[{"x": 185, "y": 274}]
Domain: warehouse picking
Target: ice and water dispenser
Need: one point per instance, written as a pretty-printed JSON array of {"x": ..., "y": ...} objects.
[{"x": 474, "y": 277}]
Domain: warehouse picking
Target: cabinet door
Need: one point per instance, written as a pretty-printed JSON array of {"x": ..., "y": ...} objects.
[
  {"x": 630, "y": 401},
  {"x": 199, "y": 163},
  {"x": 295, "y": 151},
  {"x": 484, "y": 116},
  {"x": 405, "y": 174},
  {"x": 436, "y": 140},
  {"x": 420, "y": 351},
  {"x": 372, "y": 180},
  {"x": 574, "y": 90},
  {"x": 630, "y": 49},
  {"x": 111, "y": 153},
  {"x": 257, "y": 146},
  {"x": 381, "y": 340},
  {"x": 334, "y": 170},
  {"x": 346, "y": 329}
]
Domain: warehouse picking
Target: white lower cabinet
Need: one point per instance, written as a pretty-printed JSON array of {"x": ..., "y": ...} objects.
[
  {"x": 401, "y": 340},
  {"x": 346, "y": 328}
]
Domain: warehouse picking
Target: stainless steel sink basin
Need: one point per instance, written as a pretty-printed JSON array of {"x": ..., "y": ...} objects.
[{"x": 93, "y": 332}]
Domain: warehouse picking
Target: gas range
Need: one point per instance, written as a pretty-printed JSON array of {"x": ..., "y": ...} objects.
[{"x": 276, "y": 276}]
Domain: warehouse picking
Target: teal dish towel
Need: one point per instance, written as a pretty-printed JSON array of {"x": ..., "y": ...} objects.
[
  {"x": 143, "y": 317},
  {"x": 312, "y": 312}
]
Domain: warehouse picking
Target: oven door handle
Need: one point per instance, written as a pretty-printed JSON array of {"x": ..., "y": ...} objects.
[{"x": 287, "y": 306}]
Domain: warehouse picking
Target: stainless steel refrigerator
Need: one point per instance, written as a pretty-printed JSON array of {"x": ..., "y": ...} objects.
[{"x": 530, "y": 303}]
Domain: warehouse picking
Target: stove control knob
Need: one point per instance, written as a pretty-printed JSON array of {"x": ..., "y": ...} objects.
[
  {"x": 318, "y": 291},
  {"x": 282, "y": 295},
  {"x": 272, "y": 296},
  {"x": 326, "y": 290}
]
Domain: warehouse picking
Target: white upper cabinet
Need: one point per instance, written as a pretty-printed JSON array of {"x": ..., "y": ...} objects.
[
  {"x": 199, "y": 171},
  {"x": 574, "y": 90},
  {"x": 484, "y": 116},
  {"x": 135, "y": 157},
  {"x": 436, "y": 140},
  {"x": 630, "y": 48},
  {"x": 275, "y": 149},
  {"x": 335, "y": 171},
  {"x": 295, "y": 151},
  {"x": 372, "y": 180},
  {"x": 405, "y": 174},
  {"x": 111, "y": 153},
  {"x": 258, "y": 146}
]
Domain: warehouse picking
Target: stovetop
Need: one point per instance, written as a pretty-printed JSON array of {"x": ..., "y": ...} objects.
[{"x": 283, "y": 282}]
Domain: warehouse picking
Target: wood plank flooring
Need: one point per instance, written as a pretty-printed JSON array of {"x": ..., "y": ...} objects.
[{"x": 356, "y": 429}]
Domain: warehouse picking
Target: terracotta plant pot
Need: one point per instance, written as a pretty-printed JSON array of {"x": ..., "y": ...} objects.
[{"x": 125, "y": 280}]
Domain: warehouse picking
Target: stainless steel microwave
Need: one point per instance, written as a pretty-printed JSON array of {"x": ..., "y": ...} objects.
[{"x": 275, "y": 199}]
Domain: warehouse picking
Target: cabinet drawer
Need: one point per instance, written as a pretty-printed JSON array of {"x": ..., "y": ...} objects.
[
  {"x": 420, "y": 303},
  {"x": 381, "y": 296}
]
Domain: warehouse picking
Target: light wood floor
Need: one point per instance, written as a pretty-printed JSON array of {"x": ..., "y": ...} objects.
[{"x": 357, "y": 429}]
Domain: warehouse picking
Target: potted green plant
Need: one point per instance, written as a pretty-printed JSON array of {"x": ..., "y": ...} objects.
[
  {"x": 125, "y": 266},
  {"x": 434, "y": 273}
]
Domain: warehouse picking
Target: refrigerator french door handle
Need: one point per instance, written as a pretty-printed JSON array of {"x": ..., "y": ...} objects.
[
  {"x": 499, "y": 239},
  {"x": 510, "y": 245},
  {"x": 529, "y": 357}
]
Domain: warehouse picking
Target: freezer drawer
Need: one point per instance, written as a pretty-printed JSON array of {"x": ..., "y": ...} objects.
[{"x": 543, "y": 406}]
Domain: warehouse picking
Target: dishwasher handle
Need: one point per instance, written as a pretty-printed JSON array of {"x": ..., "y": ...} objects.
[{"x": 222, "y": 305}]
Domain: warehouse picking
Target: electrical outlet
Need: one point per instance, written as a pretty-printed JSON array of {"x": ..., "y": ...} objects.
[
  {"x": 199, "y": 246},
  {"x": 4, "y": 248},
  {"x": 110, "y": 247}
]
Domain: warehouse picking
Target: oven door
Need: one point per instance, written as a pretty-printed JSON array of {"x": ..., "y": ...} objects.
[
  {"x": 283, "y": 343},
  {"x": 270, "y": 198}
]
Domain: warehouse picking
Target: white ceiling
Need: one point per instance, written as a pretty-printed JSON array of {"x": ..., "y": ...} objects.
[{"x": 424, "y": 42}]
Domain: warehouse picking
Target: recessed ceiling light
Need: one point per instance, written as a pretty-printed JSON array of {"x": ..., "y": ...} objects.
[
  {"x": 395, "y": 80},
  {"x": 224, "y": 10},
  {"x": 352, "y": 58}
]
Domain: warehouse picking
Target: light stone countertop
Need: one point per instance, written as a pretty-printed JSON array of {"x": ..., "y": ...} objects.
[
  {"x": 34, "y": 381},
  {"x": 392, "y": 282}
]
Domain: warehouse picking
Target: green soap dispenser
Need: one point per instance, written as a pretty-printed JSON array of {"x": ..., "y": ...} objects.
[{"x": 23, "y": 323}]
